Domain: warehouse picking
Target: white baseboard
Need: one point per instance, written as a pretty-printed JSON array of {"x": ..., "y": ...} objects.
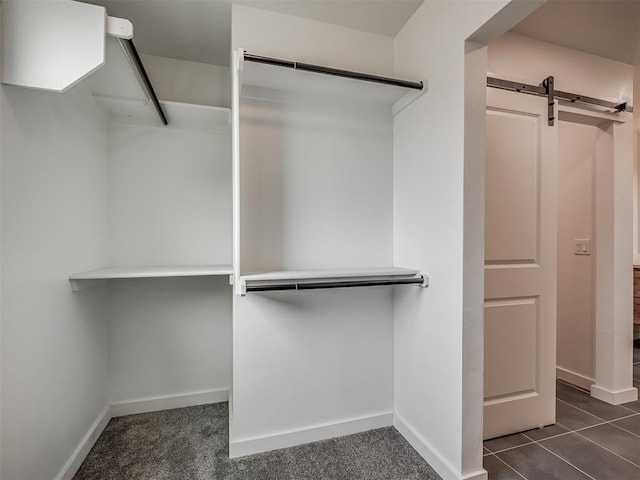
[
  {"x": 574, "y": 378},
  {"x": 479, "y": 475},
  {"x": 614, "y": 398},
  {"x": 156, "y": 404},
  {"x": 87, "y": 442},
  {"x": 426, "y": 450},
  {"x": 250, "y": 446}
]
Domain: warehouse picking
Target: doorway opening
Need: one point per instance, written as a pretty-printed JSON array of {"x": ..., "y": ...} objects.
[
  {"x": 572, "y": 196},
  {"x": 585, "y": 156}
]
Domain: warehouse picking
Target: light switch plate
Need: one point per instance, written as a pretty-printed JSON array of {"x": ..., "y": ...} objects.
[{"x": 582, "y": 246}]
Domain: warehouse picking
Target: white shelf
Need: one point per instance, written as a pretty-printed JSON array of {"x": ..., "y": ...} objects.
[
  {"x": 327, "y": 274},
  {"x": 184, "y": 116},
  {"x": 115, "y": 88},
  {"x": 334, "y": 276},
  {"x": 84, "y": 279},
  {"x": 304, "y": 82}
]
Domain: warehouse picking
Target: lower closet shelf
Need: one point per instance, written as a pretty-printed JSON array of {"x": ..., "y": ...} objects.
[
  {"x": 85, "y": 279},
  {"x": 334, "y": 278}
]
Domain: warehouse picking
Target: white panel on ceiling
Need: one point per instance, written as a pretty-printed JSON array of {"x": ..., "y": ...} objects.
[{"x": 51, "y": 45}]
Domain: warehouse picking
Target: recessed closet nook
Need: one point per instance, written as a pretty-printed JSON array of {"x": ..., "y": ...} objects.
[{"x": 153, "y": 266}]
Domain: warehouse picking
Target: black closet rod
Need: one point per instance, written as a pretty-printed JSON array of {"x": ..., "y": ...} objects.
[
  {"x": 308, "y": 67},
  {"x": 132, "y": 54},
  {"x": 541, "y": 90},
  {"x": 315, "y": 285}
]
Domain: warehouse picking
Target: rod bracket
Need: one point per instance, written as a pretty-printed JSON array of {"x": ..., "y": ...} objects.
[
  {"x": 621, "y": 107},
  {"x": 548, "y": 85}
]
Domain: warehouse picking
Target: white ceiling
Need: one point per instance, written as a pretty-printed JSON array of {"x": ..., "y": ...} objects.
[
  {"x": 200, "y": 30},
  {"x": 384, "y": 17},
  {"x": 194, "y": 30},
  {"x": 607, "y": 28}
]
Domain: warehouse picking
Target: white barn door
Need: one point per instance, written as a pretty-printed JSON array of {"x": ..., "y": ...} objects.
[{"x": 520, "y": 264}]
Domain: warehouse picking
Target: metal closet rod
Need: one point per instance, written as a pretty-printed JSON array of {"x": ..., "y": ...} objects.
[
  {"x": 353, "y": 283},
  {"x": 136, "y": 62},
  {"x": 541, "y": 90},
  {"x": 308, "y": 67}
]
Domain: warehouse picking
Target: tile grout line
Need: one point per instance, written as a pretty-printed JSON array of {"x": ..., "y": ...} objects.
[
  {"x": 610, "y": 422},
  {"x": 550, "y": 436},
  {"x": 538, "y": 442},
  {"x": 581, "y": 429},
  {"x": 599, "y": 418},
  {"x": 605, "y": 448},
  {"x": 516, "y": 446},
  {"x": 577, "y": 431},
  {"x": 586, "y": 393},
  {"x": 512, "y": 468},
  {"x": 603, "y": 422},
  {"x": 565, "y": 461},
  {"x": 625, "y": 430},
  {"x": 627, "y": 408}
]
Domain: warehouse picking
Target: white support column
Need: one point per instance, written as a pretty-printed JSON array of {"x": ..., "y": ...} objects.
[
  {"x": 236, "y": 65},
  {"x": 614, "y": 267}
]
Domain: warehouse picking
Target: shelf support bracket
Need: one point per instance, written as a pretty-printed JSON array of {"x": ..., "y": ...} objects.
[
  {"x": 77, "y": 285},
  {"x": 408, "y": 98},
  {"x": 119, "y": 28}
]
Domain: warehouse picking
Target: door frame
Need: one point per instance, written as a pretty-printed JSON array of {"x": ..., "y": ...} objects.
[
  {"x": 614, "y": 226},
  {"x": 608, "y": 382}
]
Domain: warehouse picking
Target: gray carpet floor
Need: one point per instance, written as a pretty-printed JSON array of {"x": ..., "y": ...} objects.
[{"x": 192, "y": 444}]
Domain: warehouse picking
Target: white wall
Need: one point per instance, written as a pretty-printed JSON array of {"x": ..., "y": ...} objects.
[
  {"x": 437, "y": 227},
  {"x": 188, "y": 82},
  {"x": 316, "y": 364},
  {"x": 169, "y": 204},
  {"x": 576, "y": 211},
  {"x": 270, "y": 34},
  {"x": 525, "y": 59},
  {"x": 316, "y": 186},
  {"x": 169, "y": 196},
  {"x": 54, "y": 341},
  {"x": 169, "y": 337},
  {"x": 636, "y": 155}
]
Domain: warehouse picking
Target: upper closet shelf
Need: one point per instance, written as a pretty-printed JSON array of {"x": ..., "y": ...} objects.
[
  {"x": 85, "y": 279},
  {"x": 123, "y": 82},
  {"x": 305, "y": 78},
  {"x": 56, "y": 45},
  {"x": 334, "y": 278},
  {"x": 183, "y": 116}
]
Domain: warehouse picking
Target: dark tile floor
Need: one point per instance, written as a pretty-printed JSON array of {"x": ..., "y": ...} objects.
[{"x": 591, "y": 440}]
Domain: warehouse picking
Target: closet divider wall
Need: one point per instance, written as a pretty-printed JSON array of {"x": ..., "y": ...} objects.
[{"x": 313, "y": 200}]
